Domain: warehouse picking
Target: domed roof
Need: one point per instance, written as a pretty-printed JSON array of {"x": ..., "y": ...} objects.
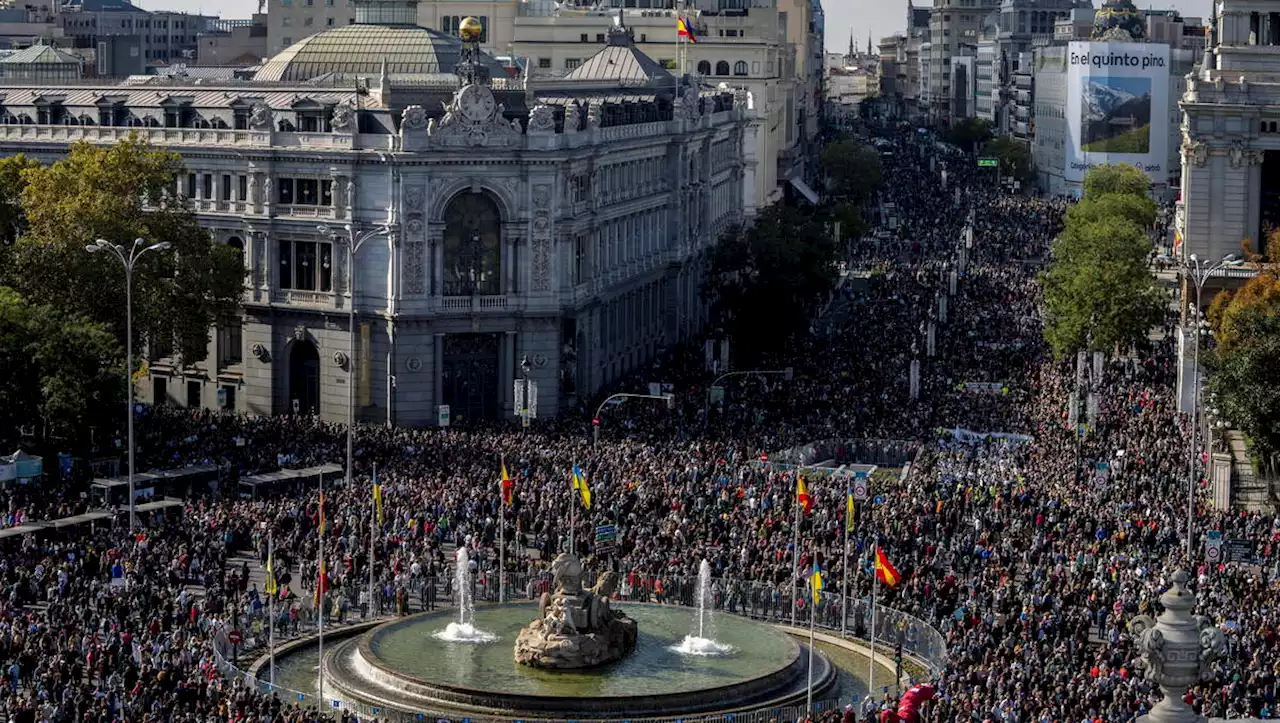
[
  {"x": 1119, "y": 20},
  {"x": 361, "y": 49}
]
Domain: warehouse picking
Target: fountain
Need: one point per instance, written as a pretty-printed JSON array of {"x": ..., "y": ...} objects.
[
  {"x": 464, "y": 630},
  {"x": 581, "y": 658},
  {"x": 701, "y": 639}
]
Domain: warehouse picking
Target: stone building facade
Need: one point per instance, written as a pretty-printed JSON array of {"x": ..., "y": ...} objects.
[{"x": 497, "y": 221}]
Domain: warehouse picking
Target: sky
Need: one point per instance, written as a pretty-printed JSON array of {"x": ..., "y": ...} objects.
[{"x": 880, "y": 17}]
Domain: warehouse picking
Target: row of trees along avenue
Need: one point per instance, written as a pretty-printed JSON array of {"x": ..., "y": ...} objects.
[
  {"x": 1099, "y": 293},
  {"x": 766, "y": 280},
  {"x": 1245, "y": 359},
  {"x": 62, "y": 309}
]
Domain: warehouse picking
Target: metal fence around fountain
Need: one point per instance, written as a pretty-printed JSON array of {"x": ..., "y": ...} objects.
[{"x": 900, "y": 637}]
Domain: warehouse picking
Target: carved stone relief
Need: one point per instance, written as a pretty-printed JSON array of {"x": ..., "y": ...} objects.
[
  {"x": 541, "y": 243},
  {"x": 415, "y": 273}
]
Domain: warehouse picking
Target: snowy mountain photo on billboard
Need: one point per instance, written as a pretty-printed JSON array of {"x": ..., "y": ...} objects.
[{"x": 1115, "y": 115}]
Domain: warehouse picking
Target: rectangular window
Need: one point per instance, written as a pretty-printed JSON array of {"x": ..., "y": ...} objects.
[
  {"x": 600, "y": 38},
  {"x": 571, "y": 63},
  {"x": 104, "y": 117},
  {"x": 226, "y": 187},
  {"x": 207, "y": 187},
  {"x": 579, "y": 258},
  {"x": 243, "y": 194},
  {"x": 307, "y": 191},
  {"x": 306, "y": 265},
  {"x": 191, "y": 185},
  {"x": 326, "y": 193},
  {"x": 285, "y": 191},
  {"x": 229, "y": 397},
  {"x": 544, "y": 63},
  {"x": 584, "y": 38},
  {"x": 193, "y": 395},
  {"x": 229, "y": 342},
  {"x": 159, "y": 391}
]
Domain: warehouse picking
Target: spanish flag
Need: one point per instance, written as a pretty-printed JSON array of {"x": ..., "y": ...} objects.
[
  {"x": 270, "y": 586},
  {"x": 579, "y": 481},
  {"x": 508, "y": 487},
  {"x": 815, "y": 581},
  {"x": 685, "y": 30},
  {"x": 802, "y": 495},
  {"x": 848, "y": 510},
  {"x": 377, "y": 499},
  {"x": 322, "y": 583},
  {"x": 885, "y": 571}
]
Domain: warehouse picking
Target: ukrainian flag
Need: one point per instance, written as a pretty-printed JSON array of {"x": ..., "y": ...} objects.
[
  {"x": 579, "y": 481},
  {"x": 815, "y": 582}
]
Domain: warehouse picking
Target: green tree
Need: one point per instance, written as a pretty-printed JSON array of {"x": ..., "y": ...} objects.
[
  {"x": 853, "y": 170},
  {"x": 120, "y": 193},
  {"x": 1242, "y": 376},
  {"x": 1099, "y": 294},
  {"x": 1015, "y": 159},
  {"x": 12, "y": 218},
  {"x": 61, "y": 369},
  {"x": 1116, "y": 178},
  {"x": 765, "y": 281},
  {"x": 969, "y": 133}
]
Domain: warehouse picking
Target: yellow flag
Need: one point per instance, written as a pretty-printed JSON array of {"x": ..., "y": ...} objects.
[
  {"x": 579, "y": 481},
  {"x": 270, "y": 585},
  {"x": 377, "y": 500}
]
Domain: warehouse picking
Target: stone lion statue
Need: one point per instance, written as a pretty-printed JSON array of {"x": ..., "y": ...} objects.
[{"x": 607, "y": 585}]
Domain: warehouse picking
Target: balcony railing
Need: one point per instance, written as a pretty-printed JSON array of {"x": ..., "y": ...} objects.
[
  {"x": 472, "y": 304},
  {"x": 302, "y": 298}
]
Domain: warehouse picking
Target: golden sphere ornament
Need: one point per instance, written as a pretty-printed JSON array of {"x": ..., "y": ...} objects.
[{"x": 470, "y": 29}]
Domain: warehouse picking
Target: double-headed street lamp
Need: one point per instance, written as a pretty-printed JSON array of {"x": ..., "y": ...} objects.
[
  {"x": 1197, "y": 273},
  {"x": 669, "y": 398},
  {"x": 353, "y": 241},
  {"x": 128, "y": 258}
]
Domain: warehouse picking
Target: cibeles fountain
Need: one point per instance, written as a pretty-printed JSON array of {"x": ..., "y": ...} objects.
[{"x": 575, "y": 654}]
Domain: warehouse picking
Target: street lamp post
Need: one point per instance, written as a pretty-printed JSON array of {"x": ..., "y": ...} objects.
[
  {"x": 525, "y": 366},
  {"x": 787, "y": 374},
  {"x": 670, "y": 399},
  {"x": 1197, "y": 273},
  {"x": 128, "y": 258},
  {"x": 353, "y": 241}
]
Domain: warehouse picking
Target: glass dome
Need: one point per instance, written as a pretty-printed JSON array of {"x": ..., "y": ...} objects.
[{"x": 362, "y": 49}]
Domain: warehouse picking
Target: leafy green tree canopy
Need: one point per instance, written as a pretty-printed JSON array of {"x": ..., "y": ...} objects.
[
  {"x": 1242, "y": 377},
  {"x": 1116, "y": 178},
  {"x": 1099, "y": 294},
  {"x": 853, "y": 169},
  {"x": 120, "y": 193},
  {"x": 12, "y": 218},
  {"x": 770, "y": 276},
  {"x": 1015, "y": 158}
]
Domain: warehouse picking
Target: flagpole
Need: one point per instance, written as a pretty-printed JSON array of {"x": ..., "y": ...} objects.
[
  {"x": 573, "y": 519},
  {"x": 373, "y": 527},
  {"x": 813, "y": 613},
  {"x": 795, "y": 550},
  {"x": 320, "y": 599},
  {"x": 502, "y": 534},
  {"x": 875, "y": 590},
  {"x": 844, "y": 568},
  {"x": 271, "y": 608}
]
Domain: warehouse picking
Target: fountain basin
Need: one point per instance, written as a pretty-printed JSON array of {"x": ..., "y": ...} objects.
[{"x": 402, "y": 666}]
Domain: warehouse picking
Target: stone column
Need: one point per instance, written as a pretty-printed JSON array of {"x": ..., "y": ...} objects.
[{"x": 1177, "y": 650}]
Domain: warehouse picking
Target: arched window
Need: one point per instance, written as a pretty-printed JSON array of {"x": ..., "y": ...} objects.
[
  {"x": 472, "y": 246},
  {"x": 722, "y": 68},
  {"x": 704, "y": 67},
  {"x": 740, "y": 67}
]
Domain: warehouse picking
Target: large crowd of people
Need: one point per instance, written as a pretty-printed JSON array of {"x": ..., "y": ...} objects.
[{"x": 1029, "y": 551}]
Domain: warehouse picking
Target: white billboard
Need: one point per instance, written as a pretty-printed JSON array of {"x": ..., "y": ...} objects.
[{"x": 1117, "y": 107}]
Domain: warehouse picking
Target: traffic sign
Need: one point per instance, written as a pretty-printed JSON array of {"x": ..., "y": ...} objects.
[
  {"x": 234, "y": 637},
  {"x": 1213, "y": 547},
  {"x": 1238, "y": 550},
  {"x": 860, "y": 488},
  {"x": 988, "y": 163}
]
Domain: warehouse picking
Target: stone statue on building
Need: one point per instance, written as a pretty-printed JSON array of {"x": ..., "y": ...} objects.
[{"x": 576, "y": 628}]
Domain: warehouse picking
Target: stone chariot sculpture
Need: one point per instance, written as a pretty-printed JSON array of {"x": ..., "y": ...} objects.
[{"x": 575, "y": 628}]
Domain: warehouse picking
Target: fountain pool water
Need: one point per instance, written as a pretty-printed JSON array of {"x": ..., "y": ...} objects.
[
  {"x": 701, "y": 639},
  {"x": 464, "y": 630},
  {"x": 407, "y": 665}
]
